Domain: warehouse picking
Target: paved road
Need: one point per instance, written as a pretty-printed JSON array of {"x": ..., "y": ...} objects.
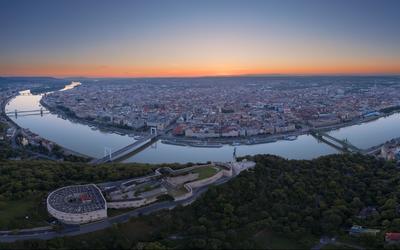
[
  {"x": 332, "y": 241},
  {"x": 46, "y": 234}
]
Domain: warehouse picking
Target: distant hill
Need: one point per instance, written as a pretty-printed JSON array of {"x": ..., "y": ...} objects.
[
  {"x": 22, "y": 79},
  {"x": 35, "y": 84}
]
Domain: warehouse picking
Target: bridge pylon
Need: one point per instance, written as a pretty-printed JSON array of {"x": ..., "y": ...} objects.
[
  {"x": 107, "y": 152},
  {"x": 153, "y": 130}
]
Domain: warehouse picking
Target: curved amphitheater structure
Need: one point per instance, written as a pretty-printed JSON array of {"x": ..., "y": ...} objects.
[{"x": 77, "y": 204}]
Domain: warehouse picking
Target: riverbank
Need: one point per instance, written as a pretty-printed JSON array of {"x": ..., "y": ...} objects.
[
  {"x": 234, "y": 141},
  {"x": 175, "y": 140},
  {"x": 219, "y": 141},
  {"x": 65, "y": 151},
  {"x": 82, "y": 138},
  {"x": 93, "y": 125},
  {"x": 4, "y": 104}
]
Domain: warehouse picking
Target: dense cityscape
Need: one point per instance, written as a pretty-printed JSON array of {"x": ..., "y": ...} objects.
[
  {"x": 211, "y": 106},
  {"x": 229, "y": 107},
  {"x": 175, "y": 124}
]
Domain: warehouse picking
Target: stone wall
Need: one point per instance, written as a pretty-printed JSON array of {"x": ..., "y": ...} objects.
[
  {"x": 204, "y": 182},
  {"x": 131, "y": 203},
  {"x": 70, "y": 218}
]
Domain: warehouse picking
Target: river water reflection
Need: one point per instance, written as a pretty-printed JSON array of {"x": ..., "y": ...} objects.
[{"x": 82, "y": 138}]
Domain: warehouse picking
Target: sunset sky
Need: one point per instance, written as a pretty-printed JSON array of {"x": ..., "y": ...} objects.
[{"x": 96, "y": 38}]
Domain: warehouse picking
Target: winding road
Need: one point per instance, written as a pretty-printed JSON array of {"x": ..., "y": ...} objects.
[{"x": 47, "y": 233}]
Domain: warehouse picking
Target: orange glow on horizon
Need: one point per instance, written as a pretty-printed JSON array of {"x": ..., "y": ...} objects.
[
  {"x": 206, "y": 38},
  {"x": 113, "y": 71}
]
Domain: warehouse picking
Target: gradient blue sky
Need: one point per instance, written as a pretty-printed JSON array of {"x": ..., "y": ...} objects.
[{"x": 166, "y": 37}]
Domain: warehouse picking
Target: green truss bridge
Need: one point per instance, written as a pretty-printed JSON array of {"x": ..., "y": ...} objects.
[{"x": 341, "y": 145}]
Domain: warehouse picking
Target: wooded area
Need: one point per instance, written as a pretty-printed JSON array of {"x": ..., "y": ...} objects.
[{"x": 298, "y": 200}]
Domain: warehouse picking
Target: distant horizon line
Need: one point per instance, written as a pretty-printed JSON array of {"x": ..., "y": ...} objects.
[{"x": 203, "y": 76}]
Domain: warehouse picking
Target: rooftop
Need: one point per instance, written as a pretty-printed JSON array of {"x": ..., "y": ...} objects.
[{"x": 77, "y": 199}]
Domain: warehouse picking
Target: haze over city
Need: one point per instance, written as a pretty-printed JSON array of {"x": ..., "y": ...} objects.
[{"x": 198, "y": 38}]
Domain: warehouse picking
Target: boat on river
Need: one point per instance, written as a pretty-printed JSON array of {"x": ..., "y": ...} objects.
[
  {"x": 290, "y": 137},
  {"x": 205, "y": 145},
  {"x": 171, "y": 142}
]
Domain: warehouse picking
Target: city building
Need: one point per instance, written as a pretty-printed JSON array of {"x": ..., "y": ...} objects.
[{"x": 392, "y": 237}]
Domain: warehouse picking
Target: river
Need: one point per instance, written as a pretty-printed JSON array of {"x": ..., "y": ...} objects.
[{"x": 83, "y": 139}]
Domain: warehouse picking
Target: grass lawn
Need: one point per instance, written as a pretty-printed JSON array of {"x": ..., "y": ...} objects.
[
  {"x": 25, "y": 213},
  {"x": 177, "y": 192},
  {"x": 205, "y": 172}
]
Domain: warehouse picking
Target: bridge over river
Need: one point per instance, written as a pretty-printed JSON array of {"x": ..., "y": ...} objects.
[
  {"x": 341, "y": 145},
  {"x": 127, "y": 151},
  {"x": 17, "y": 113}
]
